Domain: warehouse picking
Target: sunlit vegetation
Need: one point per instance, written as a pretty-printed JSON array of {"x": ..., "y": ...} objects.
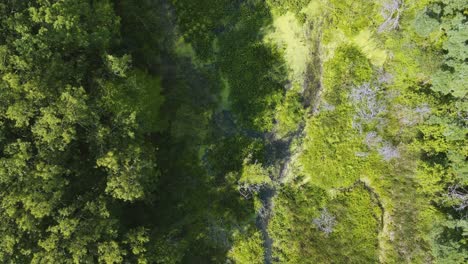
[
  {"x": 219, "y": 131},
  {"x": 355, "y": 214}
]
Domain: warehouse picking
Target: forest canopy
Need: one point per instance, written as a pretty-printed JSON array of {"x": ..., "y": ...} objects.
[{"x": 216, "y": 131}]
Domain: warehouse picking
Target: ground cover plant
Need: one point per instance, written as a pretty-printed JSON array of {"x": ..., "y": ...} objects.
[{"x": 216, "y": 131}]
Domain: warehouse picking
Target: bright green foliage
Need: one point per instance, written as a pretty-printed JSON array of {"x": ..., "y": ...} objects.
[
  {"x": 137, "y": 240},
  {"x": 352, "y": 16},
  {"x": 119, "y": 66},
  {"x": 69, "y": 237},
  {"x": 329, "y": 158},
  {"x": 358, "y": 217},
  {"x": 369, "y": 47},
  {"x": 109, "y": 253},
  {"x": 169, "y": 131},
  {"x": 288, "y": 36},
  {"x": 295, "y": 209},
  {"x": 254, "y": 174},
  {"x": 247, "y": 248},
  {"x": 353, "y": 239},
  {"x": 348, "y": 67},
  {"x": 290, "y": 112},
  {"x": 128, "y": 172},
  {"x": 284, "y": 6},
  {"x": 55, "y": 126}
]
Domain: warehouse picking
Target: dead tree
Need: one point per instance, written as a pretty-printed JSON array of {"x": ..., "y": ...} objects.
[
  {"x": 410, "y": 117},
  {"x": 325, "y": 222},
  {"x": 369, "y": 107},
  {"x": 247, "y": 190},
  {"x": 388, "y": 152},
  {"x": 391, "y": 12},
  {"x": 372, "y": 139},
  {"x": 460, "y": 196}
]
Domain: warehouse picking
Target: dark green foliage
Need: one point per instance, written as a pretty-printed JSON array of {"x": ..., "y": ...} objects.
[
  {"x": 445, "y": 132},
  {"x": 160, "y": 131},
  {"x": 252, "y": 68},
  {"x": 228, "y": 154},
  {"x": 73, "y": 143},
  {"x": 199, "y": 24}
]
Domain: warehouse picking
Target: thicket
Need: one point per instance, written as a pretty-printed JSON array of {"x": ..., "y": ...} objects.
[
  {"x": 73, "y": 135},
  {"x": 149, "y": 132},
  {"x": 443, "y": 137},
  {"x": 101, "y": 129},
  {"x": 386, "y": 119}
]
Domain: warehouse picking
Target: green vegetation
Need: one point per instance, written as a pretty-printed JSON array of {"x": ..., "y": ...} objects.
[
  {"x": 180, "y": 131},
  {"x": 290, "y": 113},
  {"x": 355, "y": 215},
  {"x": 247, "y": 249}
]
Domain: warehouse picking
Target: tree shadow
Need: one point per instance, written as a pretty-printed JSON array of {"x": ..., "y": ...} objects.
[{"x": 196, "y": 200}]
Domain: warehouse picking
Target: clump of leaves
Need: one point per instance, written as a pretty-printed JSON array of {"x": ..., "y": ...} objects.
[
  {"x": 253, "y": 178},
  {"x": 290, "y": 112},
  {"x": 448, "y": 18},
  {"x": 247, "y": 248}
]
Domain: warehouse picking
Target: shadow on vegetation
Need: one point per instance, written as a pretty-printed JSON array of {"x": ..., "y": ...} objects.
[{"x": 197, "y": 205}]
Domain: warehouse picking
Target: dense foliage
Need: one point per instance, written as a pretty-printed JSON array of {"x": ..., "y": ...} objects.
[{"x": 216, "y": 131}]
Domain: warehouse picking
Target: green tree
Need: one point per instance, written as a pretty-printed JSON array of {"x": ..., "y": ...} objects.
[{"x": 72, "y": 135}]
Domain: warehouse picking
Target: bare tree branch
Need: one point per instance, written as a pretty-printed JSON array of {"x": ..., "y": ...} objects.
[
  {"x": 391, "y": 13},
  {"x": 459, "y": 195},
  {"x": 325, "y": 222}
]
